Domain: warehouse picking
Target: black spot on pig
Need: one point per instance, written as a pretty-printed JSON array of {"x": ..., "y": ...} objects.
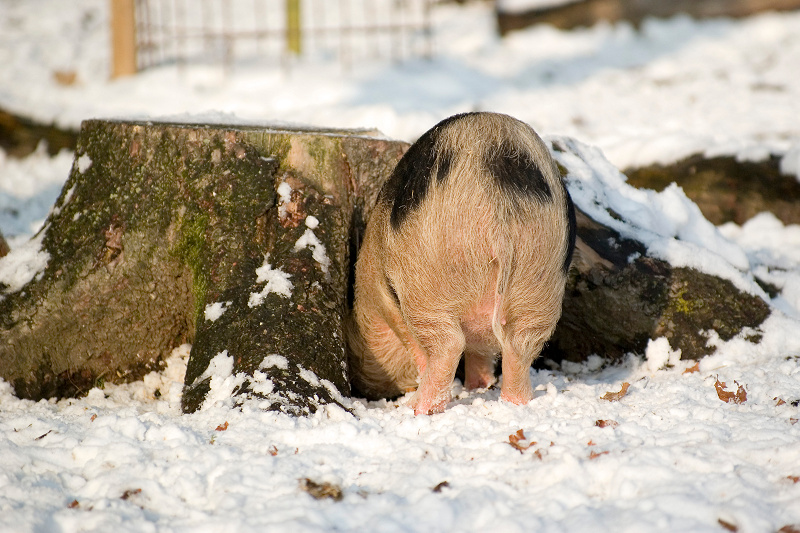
[
  {"x": 516, "y": 173},
  {"x": 443, "y": 164},
  {"x": 571, "y": 231},
  {"x": 408, "y": 184}
]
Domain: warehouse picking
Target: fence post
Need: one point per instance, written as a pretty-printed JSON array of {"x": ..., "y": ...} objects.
[
  {"x": 123, "y": 38},
  {"x": 293, "y": 31}
]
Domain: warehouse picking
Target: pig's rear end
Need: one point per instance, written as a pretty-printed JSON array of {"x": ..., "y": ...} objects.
[{"x": 466, "y": 252}]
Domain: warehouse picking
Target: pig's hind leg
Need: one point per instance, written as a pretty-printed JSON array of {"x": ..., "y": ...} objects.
[{"x": 444, "y": 343}]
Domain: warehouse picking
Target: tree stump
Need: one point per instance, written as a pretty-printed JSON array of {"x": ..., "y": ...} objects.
[{"x": 234, "y": 238}]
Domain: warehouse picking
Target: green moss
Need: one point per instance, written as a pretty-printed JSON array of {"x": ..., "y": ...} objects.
[
  {"x": 680, "y": 304},
  {"x": 275, "y": 145},
  {"x": 190, "y": 250}
]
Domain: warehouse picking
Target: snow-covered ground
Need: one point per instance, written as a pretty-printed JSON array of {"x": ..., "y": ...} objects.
[{"x": 671, "y": 455}]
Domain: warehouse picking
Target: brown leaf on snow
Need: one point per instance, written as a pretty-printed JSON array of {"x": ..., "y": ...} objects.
[
  {"x": 793, "y": 421},
  {"x": 780, "y": 402},
  {"x": 273, "y": 451},
  {"x": 440, "y": 486},
  {"x": 727, "y": 525},
  {"x": 606, "y": 423},
  {"x": 222, "y": 427},
  {"x": 693, "y": 369},
  {"x": 130, "y": 492},
  {"x": 615, "y": 396},
  {"x": 516, "y": 441},
  {"x": 321, "y": 490},
  {"x": 790, "y": 529},
  {"x": 73, "y": 504},
  {"x": 795, "y": 479},
  {"x": 595, "y": 455},
  {"x": 740, "y": 396}
]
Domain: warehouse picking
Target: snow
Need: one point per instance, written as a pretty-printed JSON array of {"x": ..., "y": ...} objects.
[
  {"x": 672, "y": 456},
  {"x": 277, "y": 282},
  {"x": 668, "y": 223},
  {"x": 215, "y": 310},
  {"x": 22, "y": 264},
  {"x": 517, "y": 6},
  {"x": 309, "y": 240}
]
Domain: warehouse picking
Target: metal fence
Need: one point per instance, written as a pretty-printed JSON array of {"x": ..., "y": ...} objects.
[{"x": 227, "y": 32}]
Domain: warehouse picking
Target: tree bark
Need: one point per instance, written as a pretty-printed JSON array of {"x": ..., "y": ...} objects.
[{"x": 158, "y": 221}]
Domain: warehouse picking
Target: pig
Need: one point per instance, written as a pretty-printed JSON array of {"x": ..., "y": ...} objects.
[{"x": 466, "y": 252}]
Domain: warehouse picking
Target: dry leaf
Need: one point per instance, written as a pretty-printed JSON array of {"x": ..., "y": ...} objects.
[
  {"x": 73, "y": 504},
  {"x": 515, "y": 440},
  {"x": 595, "y": 455},
  {"x": 692, "y": 369},
  {"x": 615, "y": 396},
  {"x": 130, "y": 492},
  {"x": 740, "y": 396},
  {"x": 321, "y": 490},
  {"x": 93, "y": 418},
  {"x": 440, "y": 486},
  {"x": 273, "y": 451},
  {"x": 222, "y": 427},
  {"x": 40, "y": 437},
  {"x": 790, "y": 529},
  {"x": 591, "y": 443},
  {"x": 727, "y": 525},
  {"x": 606, "y": 423},
  {"x": 538, "y": 453},
  {"x": 795, "y": 479},
  {"x": 793, "y": 421},
  {"x": 780, "y": 402},
  {"x": 65, "y": 77}
]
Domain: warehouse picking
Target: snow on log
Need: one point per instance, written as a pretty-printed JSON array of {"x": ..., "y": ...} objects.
[{"x": 234, "y": 238}]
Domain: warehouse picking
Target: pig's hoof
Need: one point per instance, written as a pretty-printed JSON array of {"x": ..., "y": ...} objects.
[
  {"x": 484, "y": 382},
  {"x": 517, "y": 399},
  {"x": 426, "y": 408}
]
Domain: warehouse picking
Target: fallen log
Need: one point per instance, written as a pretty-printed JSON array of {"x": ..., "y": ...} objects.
[
  {"x": 582, "y": 13},
  {"x": 620, "y": 294}
]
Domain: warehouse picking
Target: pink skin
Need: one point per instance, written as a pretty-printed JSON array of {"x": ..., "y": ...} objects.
[{"x": 479, "y": 371}]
